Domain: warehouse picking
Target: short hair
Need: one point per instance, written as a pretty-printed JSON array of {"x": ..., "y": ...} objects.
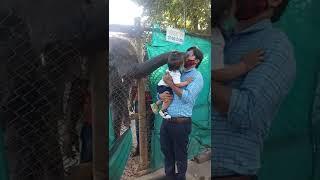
[
  {"x": 175, "y": 60},
  {"x": 278, "y": 11},
  {"x": 197, "y": 53}
]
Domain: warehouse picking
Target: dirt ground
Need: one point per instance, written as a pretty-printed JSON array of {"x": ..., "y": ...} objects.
[{"x": 133, "y": 162}]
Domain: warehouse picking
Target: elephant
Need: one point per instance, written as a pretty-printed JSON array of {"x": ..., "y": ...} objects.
[
  {"x": 35, "y": 38},
  {"x": 124, "y": 67},
  {"x": 41, "y": 45}
]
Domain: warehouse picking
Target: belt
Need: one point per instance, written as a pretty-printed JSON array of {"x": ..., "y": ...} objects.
[
  {"x": 237, "y": 177},
  {"x": 179, "y": 120}
]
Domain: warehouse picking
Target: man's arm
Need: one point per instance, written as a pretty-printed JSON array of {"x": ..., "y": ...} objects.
[
  {"x": 221, "y": 95},
  {"x": 175, "y": 89},
  {"x": 169, "y": 81},
  {"x": 262, "y": 91},
  {"x": 190, "y": 92}
]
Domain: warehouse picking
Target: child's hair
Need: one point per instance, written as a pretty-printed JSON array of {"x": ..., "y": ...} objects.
[
  {"x": 175, "y": 60},
  {"x": 220, "y": 9}
]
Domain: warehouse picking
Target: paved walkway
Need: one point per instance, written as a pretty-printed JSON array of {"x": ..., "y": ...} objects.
[{"x": 195, "y": 171}]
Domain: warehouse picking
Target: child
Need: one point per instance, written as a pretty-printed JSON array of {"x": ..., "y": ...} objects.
[
  {"x": 175, "y": 62},
  {"x": 223, "y": 20}
]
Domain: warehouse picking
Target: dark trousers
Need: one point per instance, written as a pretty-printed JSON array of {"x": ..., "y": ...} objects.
[
  {"x": 174, "y": 140},
  {"x": 86, "y": 140}
]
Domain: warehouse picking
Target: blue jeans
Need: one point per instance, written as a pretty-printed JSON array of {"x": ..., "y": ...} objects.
[{"x": 174, "y": 140}]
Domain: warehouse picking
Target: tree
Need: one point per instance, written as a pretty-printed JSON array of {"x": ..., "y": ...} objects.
[{"x": 192, "y": 15}]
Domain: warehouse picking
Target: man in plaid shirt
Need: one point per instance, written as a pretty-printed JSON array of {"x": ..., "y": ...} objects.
[
  {"x": 174, "y": 132},
  {"x": 244, "y": 108}
]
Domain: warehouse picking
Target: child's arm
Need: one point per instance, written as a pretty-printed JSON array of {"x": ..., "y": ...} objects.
[
  {"x": 230, "y": 72},
  {"x": 185, "y": 83},
  {"x": 248, "y": 62}
]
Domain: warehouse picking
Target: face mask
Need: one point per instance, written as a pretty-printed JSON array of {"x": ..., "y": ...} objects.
[
  {"x": 247, "y": 9},
  {"x": 189, "y": 63}
]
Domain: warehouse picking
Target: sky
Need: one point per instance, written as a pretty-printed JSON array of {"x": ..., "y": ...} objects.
[{"x": 123, "y": 12}]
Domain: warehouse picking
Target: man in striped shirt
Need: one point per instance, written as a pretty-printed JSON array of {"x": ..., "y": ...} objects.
[{"x": 244, "y": 108}]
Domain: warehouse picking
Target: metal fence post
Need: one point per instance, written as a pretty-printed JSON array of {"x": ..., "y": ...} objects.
[
  {"x": 143, "y": 139},
  {"x": 99, "y": 111}
]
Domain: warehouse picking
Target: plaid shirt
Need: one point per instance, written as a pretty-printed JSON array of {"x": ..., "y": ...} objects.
[
  {"x": 182, "y": 106},
  {"x": 238, "y": 136}
]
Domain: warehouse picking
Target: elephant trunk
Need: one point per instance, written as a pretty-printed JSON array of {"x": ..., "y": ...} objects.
[{"x": 144, "y": 69}]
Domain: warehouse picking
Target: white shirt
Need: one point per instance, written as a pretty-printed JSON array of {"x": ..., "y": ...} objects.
[
  {"x": 176, "y": 77},
  {"x": 217, "y": 50}
]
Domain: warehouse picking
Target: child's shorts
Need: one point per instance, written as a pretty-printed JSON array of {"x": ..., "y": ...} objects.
[{"x": 162, "y": 89}]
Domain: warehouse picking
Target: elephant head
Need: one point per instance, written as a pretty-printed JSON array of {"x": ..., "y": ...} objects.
[{"x": 124, "y": 67}]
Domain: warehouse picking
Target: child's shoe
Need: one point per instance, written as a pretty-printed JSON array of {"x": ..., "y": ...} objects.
[
  {"x": 164, "y": 114},
  {"x": 155, "y": 108}
]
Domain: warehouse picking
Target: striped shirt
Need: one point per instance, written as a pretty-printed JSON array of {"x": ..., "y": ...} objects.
[
  {"x": 182, "y": 106},
  {"x": 238, "y": 136}
]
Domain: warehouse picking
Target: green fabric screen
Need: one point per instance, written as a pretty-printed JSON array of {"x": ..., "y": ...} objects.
[
  {"x": 119, "y": 154},
  {"x": 288, "y": 152},
  {"x": 119, "y": 151},
  {"x": 200, "y": 137},
  {"x": 111, "y": 131}
]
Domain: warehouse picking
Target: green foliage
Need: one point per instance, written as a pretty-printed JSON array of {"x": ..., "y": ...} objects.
[{"x": 192, "y": 15}]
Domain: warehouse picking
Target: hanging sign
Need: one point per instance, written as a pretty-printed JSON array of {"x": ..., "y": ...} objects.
[{"x": 175, "y": 35}]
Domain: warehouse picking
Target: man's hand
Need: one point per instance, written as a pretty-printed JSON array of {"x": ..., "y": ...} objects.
[
  {"x": 168, "y": 79},
  {"x": 221, "y": 95},
  {"x": 252, "y": 59}
]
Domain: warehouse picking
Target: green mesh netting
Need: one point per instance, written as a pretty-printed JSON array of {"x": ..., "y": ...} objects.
[
  {"x": 288, "y": 152},
  {"x": 119, "y": 154},
  {"x": 200, "y": 137},
  {"x": 119, "y": 151},
  {"x": 111, "y": 131}
]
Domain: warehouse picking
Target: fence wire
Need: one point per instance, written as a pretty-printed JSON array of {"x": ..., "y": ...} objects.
[
  {"x": 123, "y": 92},
  {"x": 41, "y": 104}
]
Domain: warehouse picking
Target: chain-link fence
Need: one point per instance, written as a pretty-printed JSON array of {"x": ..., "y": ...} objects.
[
  {"x": 124, "y": 101},
  {"x": 41, "y": 103},
  {"x": 123, "y": 88}
]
